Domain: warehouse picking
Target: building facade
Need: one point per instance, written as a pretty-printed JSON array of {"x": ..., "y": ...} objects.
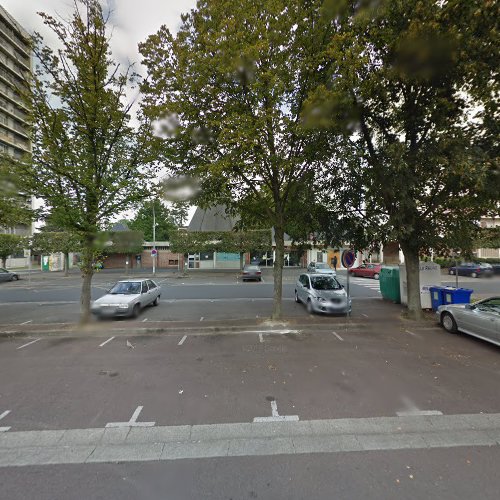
[{"x": 15, "y": 67}]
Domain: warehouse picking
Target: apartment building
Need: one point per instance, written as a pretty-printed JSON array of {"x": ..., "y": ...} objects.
[{"x": 15, "y": 64}]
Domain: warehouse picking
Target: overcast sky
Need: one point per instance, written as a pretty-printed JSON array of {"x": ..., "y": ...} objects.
[{"x": 132, "y": 20}]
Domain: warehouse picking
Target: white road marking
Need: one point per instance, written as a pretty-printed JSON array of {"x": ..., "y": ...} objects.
[
  {"x": 182, "y": 340},
  {"x": 3, "y": 415},
  {"x": 132, "y": 422},
  {"x": 338, "y": 336},
  {"x": 365, "y": 315},
  {"x": 106, "y": 341},
  {"x": 418, "y": 413},
  {"x": 412, "y": 334},
  {"x": 412, "y": 410},
  {"x": 26, "y": 322},
  {"x": 144, "y": 320},
  {"x": 202, "y": 318},
  {"x": 275, "y": 416},
  {"x": 261, "y": 338},
  {"x": 29, "y": 343}
]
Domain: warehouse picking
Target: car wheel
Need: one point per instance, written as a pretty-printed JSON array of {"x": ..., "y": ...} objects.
[
  {"x": 451, "y": 271},
  {"x": 448, "y": 322},
  {"x": 297, "y": 297},
  {"x": 473, "y": 275},
  {"x": 376, "y": 276},
  {"x": 15, "y": 277},
  {"x": 156, "y": 301},
  {"x": 309, "y": 307},
  {"x": 136, "y": 310}
]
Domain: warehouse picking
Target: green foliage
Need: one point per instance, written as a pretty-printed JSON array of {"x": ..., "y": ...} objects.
[
  {"x": 46, "y": 242},
  {"x": 229, "y": 91},
  {"x": 179, "y": 212},
  {"x": 10, "y": 244},
  {"x": 402, "y": 77},
  {"x": 220, "y": 241},
  {"x": 143, "y": 221},
  {"x": 14, "y": 206},
  {"x": 88, "y": 163},
  {"x": 488, "y": 238}
]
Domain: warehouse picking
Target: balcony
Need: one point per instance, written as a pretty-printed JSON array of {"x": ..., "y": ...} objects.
[{"x": 23, "y": 145}]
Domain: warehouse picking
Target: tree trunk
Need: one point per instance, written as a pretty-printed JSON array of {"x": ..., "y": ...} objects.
[
  {"x": 4, "y": 262},
  {"x": 87, "y": 274},
  {"x": 66, "y": 264},
  {"x": 279, "y": 238},
  {"x": 241, "y": 261},
  {"x": 412, "y": 263}
]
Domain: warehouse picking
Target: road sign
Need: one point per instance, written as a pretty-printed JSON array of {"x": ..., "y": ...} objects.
[
  {"x": 154, "y": 252},
  {"x": 348, "y": 258}
]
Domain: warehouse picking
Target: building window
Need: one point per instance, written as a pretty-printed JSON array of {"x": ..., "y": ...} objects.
[
  {"x": 319, "y": 256},
  {"x": 172, "y": 262}
]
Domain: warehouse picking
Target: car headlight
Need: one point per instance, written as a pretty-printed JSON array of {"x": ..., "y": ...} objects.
[
  {"x": 122, "y": 306},
  {"x": 320, "y": 299}
]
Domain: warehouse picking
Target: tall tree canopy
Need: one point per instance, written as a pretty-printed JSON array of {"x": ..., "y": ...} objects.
[
  {"x": 88, "y": 162},
  {"x": 410, "y": 85},
  {"x": 229, "y": 90},
  {"x": 143, "y": 221}
]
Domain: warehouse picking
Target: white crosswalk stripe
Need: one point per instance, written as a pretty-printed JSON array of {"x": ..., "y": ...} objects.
[{"x": 366, "y": 282}]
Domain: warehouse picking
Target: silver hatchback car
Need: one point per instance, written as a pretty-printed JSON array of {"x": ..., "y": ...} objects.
[
  {"x": 481, "y": 319},
  {"x": 127, "y": 298},
  {"x": 322, "y": 293}
]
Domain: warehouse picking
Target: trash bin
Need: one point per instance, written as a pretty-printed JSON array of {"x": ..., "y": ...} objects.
[
  {"x": 437, "y": 296},
  {"x": 456, "y": 295},
  {"x": 389, "y": 283}
]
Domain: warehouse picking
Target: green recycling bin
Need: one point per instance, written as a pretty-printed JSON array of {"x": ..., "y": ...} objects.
[
  {"x": 389, "y": 283},
  {"x": 45, "y": 263}
]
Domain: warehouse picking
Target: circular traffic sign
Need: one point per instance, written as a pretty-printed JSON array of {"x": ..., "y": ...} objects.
[
  {"x": 154, "y": 252},
  {"x": 348, "y": 258}
]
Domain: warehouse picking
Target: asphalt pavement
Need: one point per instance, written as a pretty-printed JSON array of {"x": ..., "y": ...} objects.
[{"x": 225, "y": 404}]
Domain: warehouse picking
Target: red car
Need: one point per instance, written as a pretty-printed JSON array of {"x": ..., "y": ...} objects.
[{"x": 366, "y": 271}]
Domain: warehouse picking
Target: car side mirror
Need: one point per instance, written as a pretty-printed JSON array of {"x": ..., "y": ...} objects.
[{"x": 469, "y": 306}]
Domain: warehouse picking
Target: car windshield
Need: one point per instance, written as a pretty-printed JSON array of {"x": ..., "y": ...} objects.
[
  {"x": 322, "y": 266},
  {"x": 126, "y": 288},
  {"x": 251, "y": 268},
  {"x": 325, "y": 283}
]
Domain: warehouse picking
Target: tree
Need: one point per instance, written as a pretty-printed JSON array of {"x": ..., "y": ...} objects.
[
  {"x": 401, "y": 89},
  {"x": 143, "y": 221},
  {"x": 180, "y": 212},
  {"x": 229, "y": 91},
  {"x": 14, "y": 205},
  {"x": 124, "y": 242},
  {"x": 88, "y": 163},
  {"x": 46, "y": 242},
  {"x": 9, "y": 245}
]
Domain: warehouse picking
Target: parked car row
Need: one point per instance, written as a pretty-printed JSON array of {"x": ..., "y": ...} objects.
[{"x": 472, "y": 269}]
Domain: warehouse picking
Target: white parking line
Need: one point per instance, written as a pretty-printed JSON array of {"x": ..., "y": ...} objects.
[
  {"x": 182, "y": 340},
  {"x": 144, "y": 320},
  {"x": 275, "y": 416},
  {"x": 365, "y": 315},
  {"x": 338, "y": 336},
  {"x": 261, "y": 338},
  {"x": 132, "y": 422},
  {"x": 413, "y": 334},
  {"x": 3, "y": 415},
  {"x": 26, "y": 322},
  {"x": 29, "y": 343},
  {"x": 202, "y": 318},
  {"x": 106, "y": 341}
]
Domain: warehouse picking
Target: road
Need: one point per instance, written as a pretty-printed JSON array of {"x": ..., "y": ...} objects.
[{"x": 370, "y": 406}]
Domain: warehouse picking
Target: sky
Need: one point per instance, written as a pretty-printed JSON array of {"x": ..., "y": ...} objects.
[{"x": 132, "y": 21}]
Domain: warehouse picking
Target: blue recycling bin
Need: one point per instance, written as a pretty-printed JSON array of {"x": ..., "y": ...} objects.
[
  {"x": 437, "y": 296},
  {"x": 457, "y": 295}
]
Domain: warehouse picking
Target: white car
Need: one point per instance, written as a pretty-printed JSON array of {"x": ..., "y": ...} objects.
[
  {"x": 322, "y": 293},
  {"x": 127, "y": 298},
  {"x": 320, "y": 267},
  {"x": 481, "y": 319}
]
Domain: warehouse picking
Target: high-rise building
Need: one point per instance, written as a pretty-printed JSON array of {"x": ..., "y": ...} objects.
[{"x": 15, "y": 65}]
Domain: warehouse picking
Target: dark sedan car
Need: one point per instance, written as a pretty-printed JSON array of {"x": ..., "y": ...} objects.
[
  {"x": 472, "y": 269},
  {"x": 8, "y": 275},
  {"x": 251, "y": 272}
]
